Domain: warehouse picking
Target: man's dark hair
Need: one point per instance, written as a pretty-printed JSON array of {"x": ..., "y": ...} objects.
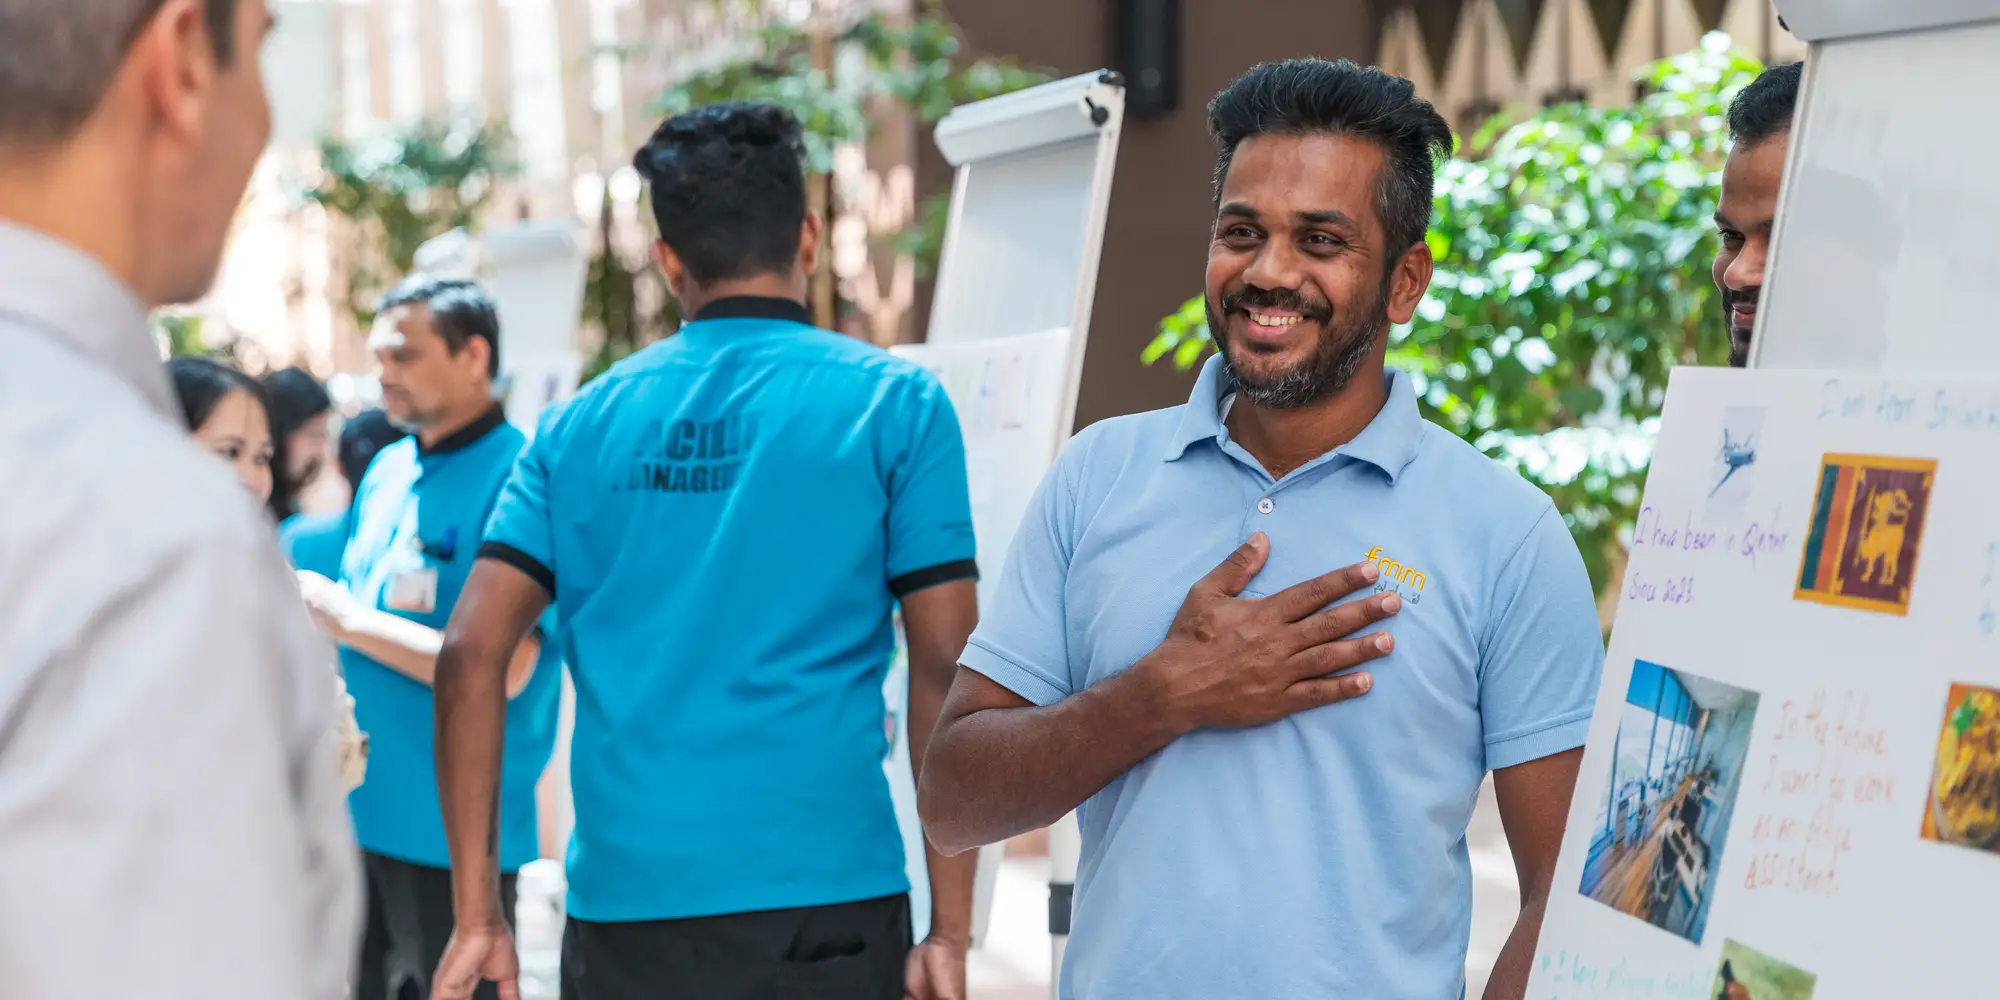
[
  {"x": 57, "y": 59},
  {"x": 728, "y": 188},
  {"x": 1312, "y": 97},
  {"x": 460, "y": 310},
  {"x": 363, "y": 435},
  {"x": 1764, "y": 108}
]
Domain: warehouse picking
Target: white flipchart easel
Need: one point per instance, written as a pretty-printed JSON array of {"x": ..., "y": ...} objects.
[
  {"x": 1010, "y": 319},
  {"x": 1882, "y": 257}
]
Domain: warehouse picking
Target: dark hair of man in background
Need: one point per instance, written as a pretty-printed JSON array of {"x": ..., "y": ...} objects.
[
  {"x": 57, "y": 58},
  {"x": 728, "y": 189},
  {"x": 1764, "y": 108},
  {"x": 460, "y": 310},
  {"x": 361, "y": 437},
  {"x": 1314, "y": 96},
  {"x": 201, "y": 383}
]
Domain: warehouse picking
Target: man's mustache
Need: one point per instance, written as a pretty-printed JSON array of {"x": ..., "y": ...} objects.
[
  {"x": 1732, "y": 299},
  {"x": 1277, "y": 299}
]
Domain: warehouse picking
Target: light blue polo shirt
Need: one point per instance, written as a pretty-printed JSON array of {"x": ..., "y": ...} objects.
[
  {"x": 726, "y": 520},
  {"x": 1322, "y": 855},
  {"x": 421, "y": 510}
]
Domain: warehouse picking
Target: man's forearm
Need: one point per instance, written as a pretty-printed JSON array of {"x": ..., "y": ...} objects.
[
  {"x": 996, "y": 773},
  {"x": 951, "y": 879},
  {"x": 1509, "y": 980},
  {"x": 398, "y": 643},
  {"x": 471, "y": 701}
]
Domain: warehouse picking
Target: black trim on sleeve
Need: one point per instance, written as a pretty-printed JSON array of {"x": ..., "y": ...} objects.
[
  {"x": 502, "y": 552},
  {"x": 931, "y": 576}
]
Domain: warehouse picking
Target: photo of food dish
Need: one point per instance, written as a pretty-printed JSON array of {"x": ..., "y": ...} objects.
[
  {"x": 1747, "y": 974},
  {"x": 1964, "y": 800}
]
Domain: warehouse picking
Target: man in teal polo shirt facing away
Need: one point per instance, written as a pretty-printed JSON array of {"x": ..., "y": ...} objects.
[
  {"x": 412, "y": 535},
  {"x": 1261, "y": 819},
  {"x": 726, "y": 521}
]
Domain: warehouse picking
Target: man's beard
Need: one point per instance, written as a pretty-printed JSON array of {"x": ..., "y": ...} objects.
[
  {"x": 1739, "y": 353},
  {"x": 1342, "y": 349}
]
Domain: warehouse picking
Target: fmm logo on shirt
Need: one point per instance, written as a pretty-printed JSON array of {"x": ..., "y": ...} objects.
[{"x": 1406, "y": 581}]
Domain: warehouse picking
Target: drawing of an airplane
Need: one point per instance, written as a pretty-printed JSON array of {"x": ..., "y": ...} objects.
[{"x": 1735, "y": 456}]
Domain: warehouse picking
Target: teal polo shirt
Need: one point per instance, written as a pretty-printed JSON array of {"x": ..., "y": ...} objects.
[
  {"x": 315, "y": 542},
  {"x": 419, "y": 511},
  {"x": 725, "y": 520},
  {"x": 1322, "y": 855}
]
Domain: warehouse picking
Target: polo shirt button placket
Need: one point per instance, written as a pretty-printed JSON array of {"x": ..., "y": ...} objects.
[{"x": 1265, "y": 506}]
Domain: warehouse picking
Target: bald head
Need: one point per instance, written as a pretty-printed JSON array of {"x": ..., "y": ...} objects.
[{"x": 58, "y": 57}]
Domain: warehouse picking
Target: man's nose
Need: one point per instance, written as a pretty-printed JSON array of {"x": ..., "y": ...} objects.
[
  {"x": 1275, "y": 266},
  {"x": 1746, "y": 272}
]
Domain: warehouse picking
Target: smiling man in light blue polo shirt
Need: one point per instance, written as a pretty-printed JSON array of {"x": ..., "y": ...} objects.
[{"x": 1261, "y": 817}]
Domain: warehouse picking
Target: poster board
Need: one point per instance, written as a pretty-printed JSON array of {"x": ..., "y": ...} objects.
[
  {"x": 1003, "y": 389},
  {"x": 1886, "y": 215},
  {"x": 1030, "y": 191},
  {"x": 1806, "y": 648}
]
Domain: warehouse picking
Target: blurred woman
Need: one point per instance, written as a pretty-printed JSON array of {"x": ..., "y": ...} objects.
[
  {"x": 316, "y": 542},
  {"x": 300, "y": 412},
  {"x": 225, "y": 413}
]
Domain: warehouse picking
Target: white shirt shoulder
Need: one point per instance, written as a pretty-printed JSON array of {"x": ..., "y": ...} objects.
[{"x": 168, "y": 785}]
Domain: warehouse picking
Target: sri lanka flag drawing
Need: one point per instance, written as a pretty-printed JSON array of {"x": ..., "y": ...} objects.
[{"x": 1867, "y": 527}]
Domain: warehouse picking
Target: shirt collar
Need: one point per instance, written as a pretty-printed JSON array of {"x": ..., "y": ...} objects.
[
  {"x": 755, "y": 307},
  {"x": 62, "y": 292},
  {"x": 1389, "y": 442},
  {"x": 487, "y": 423}
]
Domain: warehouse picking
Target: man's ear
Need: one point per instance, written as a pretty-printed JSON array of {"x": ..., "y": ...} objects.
[
  {"x": 809, "y": 233},
  {"x": 173, "y": 61},
  {"x": 480, "y": 353},
  {"x": 672, "y": 267},
  {"x": 1409, "y": 282}
]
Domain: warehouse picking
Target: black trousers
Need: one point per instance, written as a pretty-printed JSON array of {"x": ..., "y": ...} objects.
[
  {"x": 847, "y": 951},
  {"x": 409, "y": 923}
]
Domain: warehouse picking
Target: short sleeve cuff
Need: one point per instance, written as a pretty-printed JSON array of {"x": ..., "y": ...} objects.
[
  {"x": 932, "y": 576},
  {"x": 1563, "y": 734},
  {"x": 533, "y": 567},
  {"x": 1025, "y": 681}
]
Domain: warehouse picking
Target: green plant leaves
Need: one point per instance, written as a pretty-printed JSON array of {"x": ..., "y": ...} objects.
[
  {"x": 408, "y": 187},
  {"x": 916, "y": 65}
]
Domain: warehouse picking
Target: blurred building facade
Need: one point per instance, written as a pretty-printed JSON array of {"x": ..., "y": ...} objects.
[
  {"x": 575, "y": 79},
  {"x": 1475, "y": 57}
]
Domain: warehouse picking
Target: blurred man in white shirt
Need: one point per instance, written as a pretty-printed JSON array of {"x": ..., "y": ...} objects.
[{"x": 171, "y": 816}]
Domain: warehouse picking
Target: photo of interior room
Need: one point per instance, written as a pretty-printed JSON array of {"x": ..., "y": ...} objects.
[{"x": 1656, "y": 847}]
